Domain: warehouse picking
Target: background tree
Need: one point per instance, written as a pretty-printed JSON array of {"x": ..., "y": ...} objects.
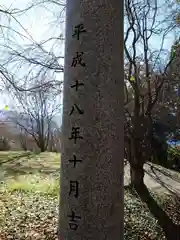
[
  {"x": 173, "y": 17},
  {"x": 37, "y": 108},
  {"x": 55, "y": 141},
  {"x": 23, "y": 139},
  {"x": 25, "y": 57},
  {"x": 145, "y": 74},
  {"x": 167, "y": 106}
]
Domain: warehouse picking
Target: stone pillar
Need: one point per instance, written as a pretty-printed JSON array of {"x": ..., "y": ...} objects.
[{"x": 91, "y": 200}]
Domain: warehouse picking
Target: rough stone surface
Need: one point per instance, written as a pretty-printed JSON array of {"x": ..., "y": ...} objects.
[{"x": 100, "y": 175}]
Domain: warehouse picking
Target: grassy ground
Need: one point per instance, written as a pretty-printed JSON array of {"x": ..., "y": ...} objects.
[
  {"x": 29, "y": 195},
  {"x": 29, "y": 201}
]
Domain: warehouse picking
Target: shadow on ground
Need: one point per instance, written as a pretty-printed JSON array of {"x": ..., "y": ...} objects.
[
  {"x": 167, "y": 173},
  {"x": 25, "y": 164},
  {"x": 166, "y": 179},
  {"x": 11, "y": 158},
  {"x": 168, "y": 219}
]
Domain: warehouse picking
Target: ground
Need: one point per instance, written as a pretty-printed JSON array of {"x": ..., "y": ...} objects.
[
  {"x": 29, "y": 195},
  {"x": 158, "y": 178},
  {"x": 29, "y": 199}
]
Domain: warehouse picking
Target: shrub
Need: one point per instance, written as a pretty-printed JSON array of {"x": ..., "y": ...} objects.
[
  {"x": 160, "y": 150},
  {"x": 4, "y": 144},
  {"x": 173, "y": 157}
]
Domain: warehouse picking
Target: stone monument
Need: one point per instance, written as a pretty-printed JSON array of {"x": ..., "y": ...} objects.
[{"x": 92, "y": 158}]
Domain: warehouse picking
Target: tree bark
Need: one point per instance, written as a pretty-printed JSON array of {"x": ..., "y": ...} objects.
[
  {"x": 137, "y": 175},
  {"x": 140, "y": 147}
]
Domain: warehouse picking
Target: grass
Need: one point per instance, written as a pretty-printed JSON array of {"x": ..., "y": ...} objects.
[
  {"x": 34, "y": 184},
  {"x": 31, "y": 174},
  {"x": 29, "y": 201},
  {"x": 29, "y": 195}
]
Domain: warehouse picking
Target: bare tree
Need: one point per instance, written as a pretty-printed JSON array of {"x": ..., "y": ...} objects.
[
  {"x": 145, "y": 75},
  {"x": 55, "y": 141},
  {"x": 36, "y": 60},
  {"x": 37, "y": 109},
  {"x": 23, "y": 139},
  {"x": 173, "y": 17},
  {"x": 23, "y": 52}
]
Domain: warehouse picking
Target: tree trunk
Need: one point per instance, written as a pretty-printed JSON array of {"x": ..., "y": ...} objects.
[
  {"x": 136, "y": 161},
  {"x": 137, "y": 175}
]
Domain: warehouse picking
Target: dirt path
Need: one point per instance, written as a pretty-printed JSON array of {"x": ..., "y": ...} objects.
[{"x": 158, "y": 178}]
